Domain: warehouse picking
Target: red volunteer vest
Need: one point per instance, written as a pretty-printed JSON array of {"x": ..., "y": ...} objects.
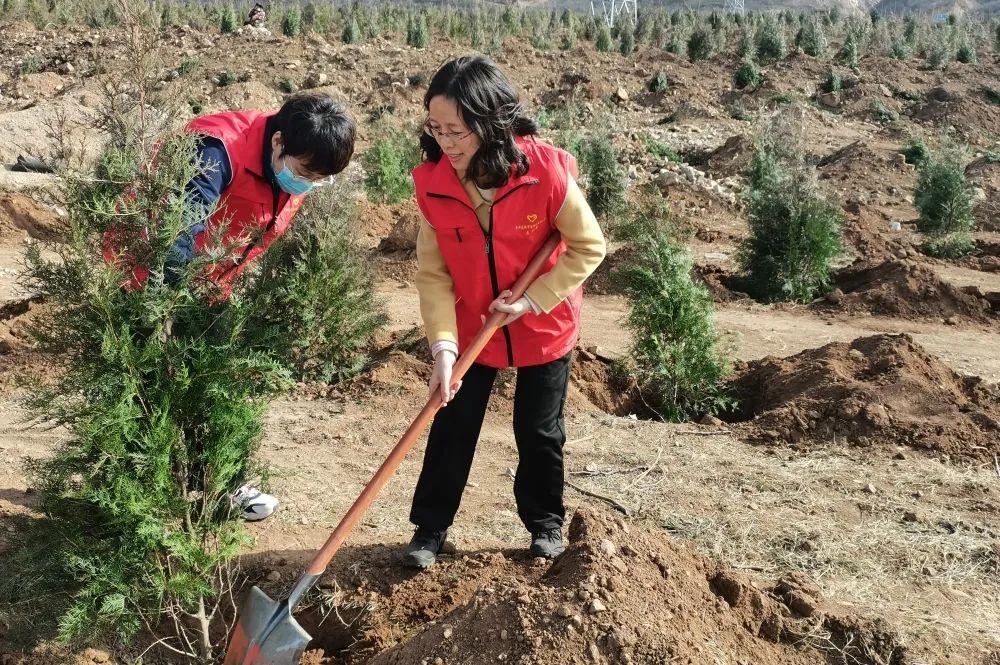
[
  {"x": 483, "y": 264},
  {"x": 252, "y": 216}
]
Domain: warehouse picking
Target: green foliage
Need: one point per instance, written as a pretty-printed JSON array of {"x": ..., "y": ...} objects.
[
  {"x": 168, "y": 16},
  {"x": 966, "y": 53},
  {"x": 568, "y": 41},
  {"x": 31, "y": 64},
  {"x": 992, "y": 95},
  {"x": 603, "y": 43},
  {"x": 737, "y": 111},
  {"x": 291, "y": 22},
  {"x": 418, "y": 34},
  {"x": 794, "y": 228},
  {"x": 660, "y": 82},
  {"x": 676, "y": 359},
  {"x": 286, "y": 85},
  {"x": 699, "y": 45},
  {"x": 910, "y": 30},
  {"x": 783, "y": 98},
  {"x": 848, "y": 55},
  {"x": 746, "y": 47},
  {"x": 227, "y": 21},
  {"x": 309, "y": 16},
  {"x": 662, "y": 150},
  {"x": 939, "y": 54},
  {"x": 188, "y": 65},
  {"x": 899, "y": 50},
  {"x": 627, "y": 44},
  {"x": 161, "y": 392},
  {"x": 832, "y": 82},
  {"x": 352, "y": 31},
  {"x": 748, "y": 75},
  {"x": 676, "y": 43},
  {"x": 566, "y": 19},
  {"x": 540, "y": 39},
  {"x": 813, "y": 41},
  {"x": 883, "y": 113},
  {"x": 225, "y": 78},
  {"x": 944, "y": 201},
  {"x": 771, "y": 44},
  {"x": 388, "y": 163},
  {"x": 315, "y": 293},
  {"x": 606, "y": 179}
]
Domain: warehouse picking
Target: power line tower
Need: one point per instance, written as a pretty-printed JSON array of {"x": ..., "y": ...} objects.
[
  {"x": 735, "y": 7},
  {"x": 611, "y": 10}
]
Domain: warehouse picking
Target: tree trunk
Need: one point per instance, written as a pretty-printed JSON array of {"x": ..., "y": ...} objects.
[{"x": 205, "y": 644}]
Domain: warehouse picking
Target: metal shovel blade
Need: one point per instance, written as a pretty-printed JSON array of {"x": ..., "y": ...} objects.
[{"x": 267, "y": 634}]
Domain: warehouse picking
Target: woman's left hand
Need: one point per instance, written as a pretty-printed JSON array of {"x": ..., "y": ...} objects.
[{"x": 514, "y": 310}]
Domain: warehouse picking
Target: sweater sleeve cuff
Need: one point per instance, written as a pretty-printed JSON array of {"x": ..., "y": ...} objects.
[
  {"x": 443, "y": 345},
  {"x": 540, "y": 295},
  {"x": 535, "y": 309}
]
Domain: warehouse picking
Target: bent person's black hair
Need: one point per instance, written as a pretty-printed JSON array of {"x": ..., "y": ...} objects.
[
  {"x": 489, "y": 106},
  {"x": 317, "y": 130}
]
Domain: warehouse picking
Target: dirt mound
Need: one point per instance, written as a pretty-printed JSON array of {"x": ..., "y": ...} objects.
[
  {"x": 403, "y": 236},
  {"x": 377, "y": 221},
  {"x": 619, "y": 594},
  {"x": 984, "y": 175},
  {"x": 878, "y": 389},
  {"x": 604, "y": 280},
  {"x": 731, "y": 158},
  {"x": 906, "y": 290},
  {"x": 402, "y": 367},
  {"x": 968, "y": 112},
  {"x": 20, "y": 215},
  {"x": 20, "y": 360},
  {"x": 247, "y": 95},
  {"x": 44, "y": 85}
]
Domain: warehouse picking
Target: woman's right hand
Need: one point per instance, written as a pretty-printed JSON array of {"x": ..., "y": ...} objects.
[{"x": 444, "y": 362}]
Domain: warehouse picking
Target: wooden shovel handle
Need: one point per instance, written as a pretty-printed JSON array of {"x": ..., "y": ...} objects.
[{"x": 392, "y": 462}]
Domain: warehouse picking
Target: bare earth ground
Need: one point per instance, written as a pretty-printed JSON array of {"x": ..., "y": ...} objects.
[{"x": 884, "y": 533}]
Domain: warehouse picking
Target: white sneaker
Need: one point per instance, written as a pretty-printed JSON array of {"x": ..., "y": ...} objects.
[{"x": 254, "y": 504}]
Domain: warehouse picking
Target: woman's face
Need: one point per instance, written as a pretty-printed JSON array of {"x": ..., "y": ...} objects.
[{"x": 457, "y": 141}]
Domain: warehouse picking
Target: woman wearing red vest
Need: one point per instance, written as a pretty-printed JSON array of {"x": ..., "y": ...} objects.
[{"x": 491, "y": 193}]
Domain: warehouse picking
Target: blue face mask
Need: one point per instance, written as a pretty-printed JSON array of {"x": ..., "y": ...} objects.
[{"x": 292, "y": 183}]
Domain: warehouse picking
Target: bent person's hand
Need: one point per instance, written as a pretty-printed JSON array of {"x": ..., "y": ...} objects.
[
  {"x": 513, "y": 310},
  {"x": 444, "y": 362}
]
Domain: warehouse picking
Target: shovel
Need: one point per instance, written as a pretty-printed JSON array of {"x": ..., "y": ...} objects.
[{"x": 267, "y": 633}]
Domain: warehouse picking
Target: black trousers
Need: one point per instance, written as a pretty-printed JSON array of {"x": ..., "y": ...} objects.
[{"x": 539, "y": 432}]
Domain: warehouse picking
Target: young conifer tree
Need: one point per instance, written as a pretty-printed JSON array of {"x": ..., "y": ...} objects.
[{"x": 160, "y": 389}]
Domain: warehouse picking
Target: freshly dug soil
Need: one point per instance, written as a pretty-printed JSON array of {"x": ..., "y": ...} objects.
[
  {"x": 878, "y": 390},
  {"x": 619, "y": 594},
  {"x": 905, "y": 290}
]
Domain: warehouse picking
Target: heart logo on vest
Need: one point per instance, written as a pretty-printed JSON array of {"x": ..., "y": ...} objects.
[{"x": 530, "y": 226}]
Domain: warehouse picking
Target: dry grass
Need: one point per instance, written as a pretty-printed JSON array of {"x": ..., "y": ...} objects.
[{"x": 934, "y": 574}]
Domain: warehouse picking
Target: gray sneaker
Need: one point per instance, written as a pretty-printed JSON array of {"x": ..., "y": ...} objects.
[
  {"x": 424, "y": 548},
  {"x": 547, "y": 544}
]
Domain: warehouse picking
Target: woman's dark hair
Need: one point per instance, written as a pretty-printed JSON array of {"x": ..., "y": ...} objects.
[
  {"x": 317, "y": 130},
  {"x": 489, "y": 106}
]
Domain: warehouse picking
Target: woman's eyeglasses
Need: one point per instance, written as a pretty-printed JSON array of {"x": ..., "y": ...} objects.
[{"x": 437, "y": 134}]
